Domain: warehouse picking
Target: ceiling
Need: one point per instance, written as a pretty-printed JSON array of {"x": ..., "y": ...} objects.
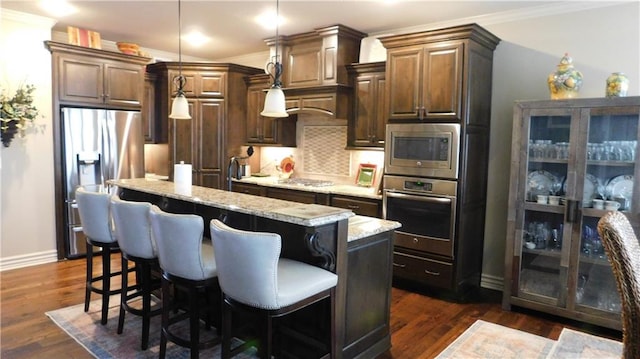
[{"x": 233, "y": 30}]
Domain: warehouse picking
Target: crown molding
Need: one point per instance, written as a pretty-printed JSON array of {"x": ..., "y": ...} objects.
[
  {"x": 510, "y": 15},
  {"x": 30, "y": 19}
]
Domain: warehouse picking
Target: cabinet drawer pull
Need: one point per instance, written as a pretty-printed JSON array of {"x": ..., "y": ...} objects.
[
  {"x": 431, "y": 273},
  {"x": 353, "y": 206},
  {"x": 399, "y": 265}
]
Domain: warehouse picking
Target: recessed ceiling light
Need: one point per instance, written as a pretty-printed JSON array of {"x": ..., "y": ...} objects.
[
  {"x": 58, "y": 8},
  {"x": 268, "y": 20},
  {"x": 196, "y": 38}
]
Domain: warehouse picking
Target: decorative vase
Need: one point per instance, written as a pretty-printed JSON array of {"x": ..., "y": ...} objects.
[
  {"x": 9, "y": 133},
  {"x": 566, "y": 81},
  {"x": 617, "y": 85}
]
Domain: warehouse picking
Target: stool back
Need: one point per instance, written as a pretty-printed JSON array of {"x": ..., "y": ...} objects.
[
  {"x": 247, "y": 264},
  {"x": 623, "y": 252},
  {"x": 179, "y": 243},
  {"x": 95, "y": 216},
  {"x": 133, "y": 228}
]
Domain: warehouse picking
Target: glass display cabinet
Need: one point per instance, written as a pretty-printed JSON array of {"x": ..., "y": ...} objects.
[{"x": 571, "y": 162}]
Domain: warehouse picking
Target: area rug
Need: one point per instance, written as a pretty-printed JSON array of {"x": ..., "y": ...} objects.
[
  {"x": 103, "y": 341},
  {"x": 487, "y": 340},
  {"x": 574, "y": 344}
]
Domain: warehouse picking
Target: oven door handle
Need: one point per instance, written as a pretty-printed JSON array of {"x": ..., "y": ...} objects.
[{"x": 429, "y": 199}]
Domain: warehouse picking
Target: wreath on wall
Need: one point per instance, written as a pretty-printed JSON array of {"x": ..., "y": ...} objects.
[{"x": 17, "y": 113}]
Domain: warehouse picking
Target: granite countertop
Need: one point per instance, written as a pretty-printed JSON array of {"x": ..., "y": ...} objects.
[
  {"x": 363, "y": 226},
  {"x": 286, "y": 211},
  {"x": 343, "y": 189}
]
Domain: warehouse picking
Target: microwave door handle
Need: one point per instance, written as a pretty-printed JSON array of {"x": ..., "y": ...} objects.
[{"x": 420, "y": 198}]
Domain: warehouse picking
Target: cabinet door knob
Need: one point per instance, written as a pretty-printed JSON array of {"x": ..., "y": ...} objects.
[{"x": 415, "y": 240}]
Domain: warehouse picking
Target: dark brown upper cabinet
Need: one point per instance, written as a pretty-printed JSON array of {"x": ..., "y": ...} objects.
[
  {"x": 367, "y": 120},
  {"x": 87, "y": 76},
  {"x": 439, "y": 75}
]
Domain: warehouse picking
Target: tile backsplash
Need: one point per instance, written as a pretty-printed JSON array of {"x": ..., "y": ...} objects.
[
  {"x": 323, "y": 150},
  {"x": 321, "y": 153}
]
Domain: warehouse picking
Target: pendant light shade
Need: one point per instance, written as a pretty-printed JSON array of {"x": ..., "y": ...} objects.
[
  {"x": 274, "y": 104},
  {"x": 180, "y": 106}
]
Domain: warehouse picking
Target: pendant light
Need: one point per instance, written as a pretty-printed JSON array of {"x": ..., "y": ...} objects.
[
  {"x": 180, "y": 106},
  {"x": 274, "y": 104}
]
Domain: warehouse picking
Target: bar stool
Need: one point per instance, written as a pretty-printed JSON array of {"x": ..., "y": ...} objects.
[
  {"x": 187, "y": 262},
  {"x": 93, "y": 208},
  {"x": 133, "y": 232},
  {"x": 253, "y": 278}
]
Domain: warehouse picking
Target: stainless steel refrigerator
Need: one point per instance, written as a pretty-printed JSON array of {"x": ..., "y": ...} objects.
[{"x": 99, "y": 145}]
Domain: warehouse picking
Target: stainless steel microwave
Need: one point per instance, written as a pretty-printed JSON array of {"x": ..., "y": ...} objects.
[{"x": 422, "y": 149}]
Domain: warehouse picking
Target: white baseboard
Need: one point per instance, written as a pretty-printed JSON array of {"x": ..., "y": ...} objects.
[
  {"x": 492, "y": 282},
  {"x": 27, "y": 260}
]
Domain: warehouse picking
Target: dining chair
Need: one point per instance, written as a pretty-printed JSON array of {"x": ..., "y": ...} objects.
[
  {"x": 187, "y": 264},
  {"x": 95, "y": 217},
  {"x": 623, "y": 251},
  {"x": 133, "y": 233},
  {"x": 254, "y": 278}
]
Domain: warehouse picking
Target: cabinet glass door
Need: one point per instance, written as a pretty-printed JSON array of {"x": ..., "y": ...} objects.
[
  {"x": 544, "y": 259},
  {"x": 609, "y": 157}
]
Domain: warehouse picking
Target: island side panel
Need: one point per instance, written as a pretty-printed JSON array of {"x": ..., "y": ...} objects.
[{"x": 368, "y": 302}]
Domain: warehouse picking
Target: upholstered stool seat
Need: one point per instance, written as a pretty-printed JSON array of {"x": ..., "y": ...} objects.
[
  {"x": 187, "y": 263},
  {"x": 133, "y": 232},
  {"x": 254, "y": 278},
  {"x": 95, "y": 217}
]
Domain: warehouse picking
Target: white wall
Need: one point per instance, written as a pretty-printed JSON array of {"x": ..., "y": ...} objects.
[
  {"x": 601, "y": 41},
  {"x": 27, "y": 231}
]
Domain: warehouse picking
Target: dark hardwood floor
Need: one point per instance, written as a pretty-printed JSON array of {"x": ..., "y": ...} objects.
[{"x": 421, "y": 325}]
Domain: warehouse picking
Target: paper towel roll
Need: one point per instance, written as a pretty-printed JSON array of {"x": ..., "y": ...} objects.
[{"x": 182, "y": 174}]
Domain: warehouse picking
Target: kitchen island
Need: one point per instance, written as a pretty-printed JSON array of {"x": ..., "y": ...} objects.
[{"x": 358, "y": 249}]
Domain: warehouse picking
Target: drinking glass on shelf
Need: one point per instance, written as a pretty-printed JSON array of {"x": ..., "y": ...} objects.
[
  {"x": 628, "y": 150},
  {"x": 591, "y": 151},
  {"x": 562, "y": 150}
]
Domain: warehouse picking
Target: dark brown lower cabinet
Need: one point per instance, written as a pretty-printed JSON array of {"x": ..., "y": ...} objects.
[
  {"x": 362, "y": 206},
  {"x": 298, "y": 196}
]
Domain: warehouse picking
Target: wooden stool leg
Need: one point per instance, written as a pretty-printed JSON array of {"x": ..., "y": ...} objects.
[
  {"x": 226, "y": 329},
  {"x": 87, "y": 294},
  {"x": 106, "y": 282},
  {"x": 123, "y": 295},
  {"x": 194, "y": 322},
  {"x": 166, "y": 293},
  {"x": 146, "y": 303}
]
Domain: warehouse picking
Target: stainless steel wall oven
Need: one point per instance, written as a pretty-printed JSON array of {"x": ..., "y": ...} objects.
[{"x": 427, "y": 210}]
